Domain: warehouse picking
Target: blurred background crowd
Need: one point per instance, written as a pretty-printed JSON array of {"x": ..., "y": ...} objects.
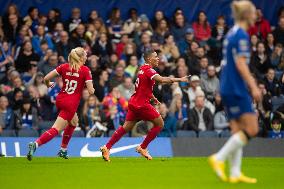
[{"x": 32, "y": 45}]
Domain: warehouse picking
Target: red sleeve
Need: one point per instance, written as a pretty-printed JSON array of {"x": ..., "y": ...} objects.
[
  {"x": 59, "y": 69},
  {"x": 151, "y": 73},
  {"x": 88, "y": 75}
]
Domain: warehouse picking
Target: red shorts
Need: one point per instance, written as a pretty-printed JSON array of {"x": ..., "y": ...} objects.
[
  {"x": 65, "y": 109},
  {"x": 146, "y": 113}
]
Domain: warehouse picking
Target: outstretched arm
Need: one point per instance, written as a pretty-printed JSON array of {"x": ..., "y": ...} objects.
[
  {"x": 169, "y": 80},
  {"x": 50, "y": 76}
]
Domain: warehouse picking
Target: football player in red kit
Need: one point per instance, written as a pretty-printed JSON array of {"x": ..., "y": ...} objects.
[
  {"x": 75, "y": 77},
  {"x": 140, "y": 108}
]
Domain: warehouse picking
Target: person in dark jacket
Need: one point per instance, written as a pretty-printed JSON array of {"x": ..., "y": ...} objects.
[{"x": 200, "y": 117}]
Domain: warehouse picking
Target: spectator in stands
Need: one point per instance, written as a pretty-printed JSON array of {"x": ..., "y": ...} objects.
[
  {"x": 260, "y": 62},
  {"x": 128, "y": 51},
  {"x": 179, "y": 110},
  {"x": 26, "y": 57},
  {"x": 16, "y": 100},
  {"x": 169, "y": 48},
  {"x": 6, "y": 58},
  {"x": 254, "y": 41},
  {"x": 210, "y": 84},
  {"x": 115, "y": 25},
  {"x": 269, "y": 43},
  {"x": 170, "y": 122},
  {"x": 127, "y": 88},
  {"x": 74, "y": 20},
  {"x": 42, "y": 20},
  {"x": 39, "y": 38},
  {"x": 11, "y": 9},
  {"x": 271, "y": 83},
  {"x": 132, "y": 67},
  {"x": 179, "y": 27},
  {"x": 276, "y": 129},
  {"x": 203, "y": 65},
  {"x": 11, "y": 30},
  {"x": 24, "y": 34},
  {"x": 26, "y": 117},
  {"x": 159, "y": 16},
  {"x": 184, "y": 45},
  {"x": 102, "y": 48},
  {"x": 32, "y": 18},
  {"x": 118, "y": 76},
  {"x": 51, "y": 65},
  {"x": 221, "y": 121},
  {"x": 220, "y": 29},
  {"x": 93, "y": 16},
  {"x": 261, "y": 27},
  {"x": 202, "y": 29},
  {"x": 92, "y": 113},
  {"x": 64, "y": 46},
  {"x": 145, "y": 44},
  {"x": 161, "y": 30},
  {"x": 52, "y": 19},
  {"x": 132, "y": 24},
  {"x": 58, "y": 28},
  {"x": 78, "y": 36},
  {"x": 5, "y": 113},
  {"x": 100, "y": 26},
  {"x": 194, "y": 85},
  {"x": 192, "y": 58},
  {"x": 101, "y": 85},
  {"x": 121, "y": 45},
  {"x": 200, "y": 117},
  {"x": 277, "y": 59},
  {"x": 114, "y": 106},
  {"x": 145, "y": 27},
  {"x": 278, "y": 33}
]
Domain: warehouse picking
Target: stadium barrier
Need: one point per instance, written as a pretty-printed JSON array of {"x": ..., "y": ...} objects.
[
  {"x": 84, "y": 147},
  {"x": 161, "y": 147},
  {"x": 258, "y": 147}
]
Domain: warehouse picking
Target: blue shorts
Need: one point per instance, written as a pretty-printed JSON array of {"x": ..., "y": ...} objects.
[{"x": 236, "y": 106}]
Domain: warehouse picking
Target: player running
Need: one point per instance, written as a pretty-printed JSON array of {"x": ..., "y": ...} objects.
[
  {"x": 235, "y": 87},
  {"x": 140, "y": 108},
  {"x": 75, "y": 76}
]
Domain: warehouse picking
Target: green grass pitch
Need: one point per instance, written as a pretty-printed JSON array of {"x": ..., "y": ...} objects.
[{"x": 131, "y": 173}]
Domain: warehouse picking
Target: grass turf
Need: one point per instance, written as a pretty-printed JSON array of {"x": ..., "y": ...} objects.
[{"x": 131, "y": 173}]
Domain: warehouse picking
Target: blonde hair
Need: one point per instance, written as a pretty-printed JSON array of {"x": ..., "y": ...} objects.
[
  {"x": 241, "y": 9},
  {"x": 75, "y": 58}
]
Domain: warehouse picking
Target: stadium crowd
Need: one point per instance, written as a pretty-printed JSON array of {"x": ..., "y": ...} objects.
[{"x": 34, "y": 44}]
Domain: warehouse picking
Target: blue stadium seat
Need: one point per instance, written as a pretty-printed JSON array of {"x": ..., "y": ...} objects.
[
  {"x": 8, "y": 133},
  {"x": 208, "y": 134},
  {"x": 78, "y": 133},
  {"x": 225, "y": 134},
  {"x": 182, "y": 133},
  {"x": 27, "y": 133},
  {"x": 45, "y": 124}
]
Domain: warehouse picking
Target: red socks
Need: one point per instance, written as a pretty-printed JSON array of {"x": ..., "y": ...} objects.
[
  {"x": 47, "y": 136},
  {"x": 115, "y": 137},
  {"x": 151, "y": 136},
  {"x": 67, "y": 134}
]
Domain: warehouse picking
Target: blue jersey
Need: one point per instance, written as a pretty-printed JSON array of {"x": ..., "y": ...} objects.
[{"x": 235, "y": 44}]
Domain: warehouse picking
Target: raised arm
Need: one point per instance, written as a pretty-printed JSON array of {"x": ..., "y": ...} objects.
[
  {"x": 243, "y": 69},
  {"x": 50, "y": 76},
  {"x": 169, "y": 80},
  {"x": 90, "y": 87}
]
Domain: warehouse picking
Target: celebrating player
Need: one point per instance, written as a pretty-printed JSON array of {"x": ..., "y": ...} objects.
[
  {"x": 236, "y": 85},
  {"x": 74, "y": 75},
  {"x": 140, "y": 108}
]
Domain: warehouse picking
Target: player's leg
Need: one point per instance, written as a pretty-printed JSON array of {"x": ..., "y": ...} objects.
[
  {"x": 127, "y": 126},
  {"x": 58, "y": 126},
  {"x": 152, "y": 134},
  {"x": 249, "y": 126},
  {"x": 67, "y": 134}
]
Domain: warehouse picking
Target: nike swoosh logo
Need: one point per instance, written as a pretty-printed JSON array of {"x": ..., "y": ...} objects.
[{"x": 85, "y": 152}]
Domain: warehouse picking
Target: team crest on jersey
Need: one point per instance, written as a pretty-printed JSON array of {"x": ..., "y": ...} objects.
[
  {"x": 243, "y": 45},
  {"x": 140, "y": 72}
]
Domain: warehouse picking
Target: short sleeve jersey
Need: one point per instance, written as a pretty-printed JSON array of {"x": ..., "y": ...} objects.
[
  {"x": 73, "y": 82},
  {"x": 236, "y": 44},
  {"x": 143, "y": 86}
]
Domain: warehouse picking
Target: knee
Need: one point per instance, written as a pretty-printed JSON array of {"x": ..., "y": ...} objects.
[{"x": 252, "y": 131}]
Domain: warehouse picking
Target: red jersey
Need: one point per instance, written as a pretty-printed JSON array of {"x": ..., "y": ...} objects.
[
  {"x": 143, "y": 86},
  {"x": 73, "y": 84}
]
